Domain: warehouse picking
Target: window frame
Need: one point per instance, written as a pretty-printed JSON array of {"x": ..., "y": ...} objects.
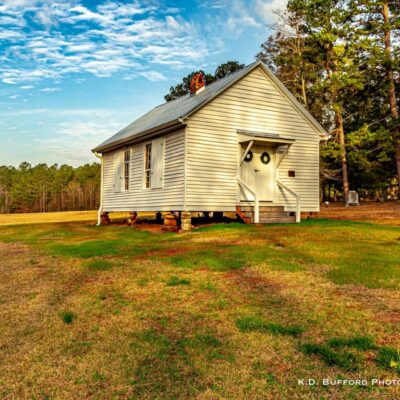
[
  {"x": 147, "y": 167},
  {"x": 126, "y": 170}
]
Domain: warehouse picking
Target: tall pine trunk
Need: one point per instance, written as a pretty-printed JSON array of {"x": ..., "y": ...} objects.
[
  {"x": 340, "y": 132},
  {"x": 394, "y": 112},
  {"x": 343, "y": 156},
  {"x": 303, "y": 91}
]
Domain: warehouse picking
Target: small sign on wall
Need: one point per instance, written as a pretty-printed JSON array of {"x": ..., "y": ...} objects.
[{"x": 292, "y": 174}]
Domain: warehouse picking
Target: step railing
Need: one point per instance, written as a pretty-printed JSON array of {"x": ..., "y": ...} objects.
[
  {"x": 296, "y": 195},
  {"x": 256, "y": 201}
]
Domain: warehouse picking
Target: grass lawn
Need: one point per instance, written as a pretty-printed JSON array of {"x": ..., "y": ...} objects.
[{"x": 224, "y": 312}]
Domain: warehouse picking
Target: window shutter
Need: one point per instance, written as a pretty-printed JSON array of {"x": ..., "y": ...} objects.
[
  {"x": 118, "y": 164},
  {"x": 157, "y": 163}
]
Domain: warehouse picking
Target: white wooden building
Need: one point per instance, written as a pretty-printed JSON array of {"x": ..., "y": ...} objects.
[{"x": 241, "y": 144}]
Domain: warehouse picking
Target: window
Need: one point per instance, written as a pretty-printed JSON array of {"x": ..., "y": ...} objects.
[
  {"x": 127, "y": 162},
  {"x": 154, "y": 164},
  {"x": 147, "y": 166},
  {"x": 122, "y": 166}
]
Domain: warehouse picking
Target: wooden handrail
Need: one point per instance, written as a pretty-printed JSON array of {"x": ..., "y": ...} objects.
[
  {"x": 256, "y": 202},
  {"x": 296, "y": 195}
]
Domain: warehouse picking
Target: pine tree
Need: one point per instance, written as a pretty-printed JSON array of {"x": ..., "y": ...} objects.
[{"x": 380, "y": 20}]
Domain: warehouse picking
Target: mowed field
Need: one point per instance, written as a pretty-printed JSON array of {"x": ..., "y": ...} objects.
[
  {"x": 51, "y": 217},
  {"x": 227, "y": 311}
]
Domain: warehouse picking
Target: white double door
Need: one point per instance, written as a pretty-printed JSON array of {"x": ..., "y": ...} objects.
[{"x": 258, "y": 176}]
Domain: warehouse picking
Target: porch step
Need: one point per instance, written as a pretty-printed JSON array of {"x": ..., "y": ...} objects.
[
  {"x": 272, "y": 214},
  {"x": 267, "y": 215}
]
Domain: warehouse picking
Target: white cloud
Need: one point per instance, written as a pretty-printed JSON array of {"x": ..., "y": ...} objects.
[
  {"x": 8, "y": 20},
  {"x": 213, "y": 4},
  {"x": 77, "y": 48},
  {"x": 81, "y": 13},
  {"x": 71, "y": 38},
  {"x": 153, "y": 76},
  {"x": 267, "y": 9},
  {"x": 74, "y": 139},
  {"x": 27, "y": 87},
  {"x": 50, "y": 89},
  {"x": 10, "y": 35},
  {"x": 87, "y": 129}
]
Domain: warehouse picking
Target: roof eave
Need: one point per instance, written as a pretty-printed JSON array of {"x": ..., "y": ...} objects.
[{"x": 161, "y": 129}]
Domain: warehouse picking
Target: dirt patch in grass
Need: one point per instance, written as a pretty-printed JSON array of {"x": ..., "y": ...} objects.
[
  {"x": 380, "y": 213},
  {"x": 250, "y": 280}
]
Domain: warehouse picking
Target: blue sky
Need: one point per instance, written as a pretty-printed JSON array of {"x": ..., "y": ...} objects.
[{"x": 73, "y": 72}]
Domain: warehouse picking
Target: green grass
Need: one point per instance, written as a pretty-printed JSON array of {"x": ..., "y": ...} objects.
[
  {"x": 253, "y": 323},
  {"x": 68, "y": 317},
  {"x": 227, "y": 311},
  {"x": 176, "y": 281},
  {"x": 99, "y": 265},
  {"x": 87, "y": 249},
  {"x": 359, "y": 342},
  {"x": 345, "y": 359},
  {"x": 389, "y": 358}
]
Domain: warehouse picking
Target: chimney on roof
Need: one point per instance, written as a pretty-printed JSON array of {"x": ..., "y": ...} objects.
[{"x": 197, "y": 83}]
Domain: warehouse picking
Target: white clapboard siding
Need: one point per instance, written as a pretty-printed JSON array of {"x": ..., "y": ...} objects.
[
  {"x": 254, "y": 104},
  {"x": 170, "y": 193}
]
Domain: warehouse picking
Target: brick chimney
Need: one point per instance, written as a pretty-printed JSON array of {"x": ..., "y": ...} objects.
[{"x": 197, "y": 84}]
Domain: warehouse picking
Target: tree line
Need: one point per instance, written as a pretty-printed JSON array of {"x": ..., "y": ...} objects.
[
  {"x": 43, "y": 188},
  {"x": 341, "y": 59}
]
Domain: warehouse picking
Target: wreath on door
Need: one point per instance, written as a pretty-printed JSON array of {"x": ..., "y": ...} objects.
[
  {"x": 249, "y": 156},
  {"x": 265, "y": 157}
]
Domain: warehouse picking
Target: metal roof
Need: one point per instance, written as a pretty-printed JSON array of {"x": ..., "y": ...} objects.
[{"x": 177, "y": 110}]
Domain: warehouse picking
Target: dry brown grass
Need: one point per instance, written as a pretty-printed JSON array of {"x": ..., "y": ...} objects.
[
  {"x": 39, "y": 218},
  {"x": 64, "y": 216}
]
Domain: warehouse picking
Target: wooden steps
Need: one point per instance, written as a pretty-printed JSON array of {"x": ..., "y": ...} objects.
[{"x": 268, "y": 214}]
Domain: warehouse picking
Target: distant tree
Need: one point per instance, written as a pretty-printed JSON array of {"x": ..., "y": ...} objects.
[
  {"x": 181, "y": 89},
  {"x": 43, "y": 188},
  {"x": 285, "y": 54},
  {"x": 227, "y": 68},
  {"x": 7, "y": 176}
]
